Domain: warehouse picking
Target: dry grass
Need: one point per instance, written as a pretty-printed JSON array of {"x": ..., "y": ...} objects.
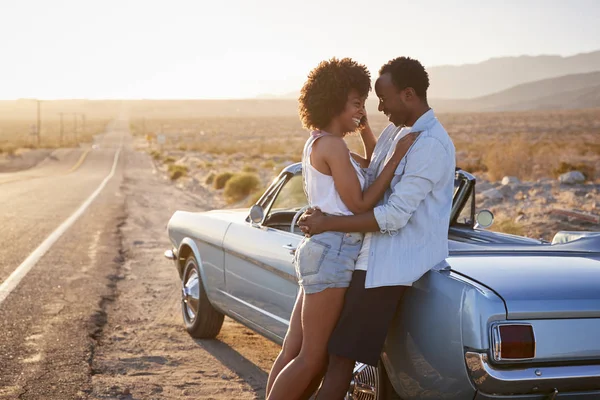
[
  {"x": 508, "y": 226},
  {"x": 240, "y": 186},
  {"x": 17, "y": 133},
  {"x": 529, "y": 145},
  {"x": 177, "y": 171},
  {"x": 221, "y": 179}
]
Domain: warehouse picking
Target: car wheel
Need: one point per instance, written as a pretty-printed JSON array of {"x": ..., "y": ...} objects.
[
  {"x": 201, "y": 319},
  {"x": 386, "y": 390},
  {"x": 370, "y": 383}
]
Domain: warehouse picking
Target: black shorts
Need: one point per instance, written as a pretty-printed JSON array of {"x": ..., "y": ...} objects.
[{"x": 361, "y": 330}]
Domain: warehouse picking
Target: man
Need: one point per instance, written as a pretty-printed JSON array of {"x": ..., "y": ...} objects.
[{"x": 407, "y": 233}]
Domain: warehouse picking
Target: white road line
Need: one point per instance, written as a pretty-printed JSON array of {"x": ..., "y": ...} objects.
[{"x": 13, "y": 280}]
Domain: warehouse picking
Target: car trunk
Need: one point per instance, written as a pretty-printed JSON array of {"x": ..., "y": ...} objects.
[
  {"x": 538, "y": 287},
  {"x": 558, "y": 295}
]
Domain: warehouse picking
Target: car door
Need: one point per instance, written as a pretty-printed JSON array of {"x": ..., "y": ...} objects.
[{"x": 260, "y": 278}]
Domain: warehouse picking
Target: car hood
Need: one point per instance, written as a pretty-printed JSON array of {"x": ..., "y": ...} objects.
[{"x": 538, "y": 287}]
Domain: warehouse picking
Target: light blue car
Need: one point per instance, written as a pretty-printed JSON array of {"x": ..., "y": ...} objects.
[{"x": 513, "y": 318}]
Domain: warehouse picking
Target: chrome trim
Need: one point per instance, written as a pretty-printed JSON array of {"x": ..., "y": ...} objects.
[
  {"x": 490, "y": 380},
  {"x": 267, "y": 267},
  {"x": 364, "y": 384},
  {"x": 496, "y": 341},
  {"x": 260, "y": 310},
  {"x": 170, "y": 255}
]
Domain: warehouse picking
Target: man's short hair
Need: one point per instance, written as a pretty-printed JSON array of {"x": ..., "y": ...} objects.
[
  {"x": 407, "y": 72},
  {"x": 325, "y": 93}
]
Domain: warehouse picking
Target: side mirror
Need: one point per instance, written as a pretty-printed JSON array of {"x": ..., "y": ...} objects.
[
  {"x": 256, "y": 214},
  {"x": 484, "y": 219}
]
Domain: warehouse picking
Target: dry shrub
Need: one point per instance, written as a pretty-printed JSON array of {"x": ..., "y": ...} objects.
[
  {"x": 508, "y": 226},
  {"x": 221, "y": 179},
  {"x": 472, "y": 166},
  {"x": 177, "y": 171},
  {"x": 210, "y": 178},
  {"x": 508, "y": 158},
  {"x": 249, "y": 168},
  {"x": 169, "y": 160},
  {"x": 587, "y": 170},
  {"x": 254, "y": 198},
  {"x": 525, "y": 159},
  {"x": 240, "y": 186},
  {"x": 7, "y": 149},
  {"x": 269, "y": 164},
  {"x": 156, "y": 154}
]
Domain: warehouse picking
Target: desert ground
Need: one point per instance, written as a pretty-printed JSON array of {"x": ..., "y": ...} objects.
[
  {"x": 99, "y": 318},
  {"x": 532, "y": 149}
]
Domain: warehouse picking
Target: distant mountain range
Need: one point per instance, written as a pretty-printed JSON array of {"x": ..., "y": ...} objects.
[
  {"x": 565, "y": 92},
  {"x": 511, "y": 83},
  {"x": 500, "y": 84},
  {"x": 491, "y": 76}
]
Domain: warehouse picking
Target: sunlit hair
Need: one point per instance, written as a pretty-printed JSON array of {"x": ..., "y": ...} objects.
[
  {"x": 408, "y": 72},
  {"x": 325, "y": 92}
]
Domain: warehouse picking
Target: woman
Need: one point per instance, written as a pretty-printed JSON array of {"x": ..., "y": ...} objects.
[{"x": 332, "y": 105}]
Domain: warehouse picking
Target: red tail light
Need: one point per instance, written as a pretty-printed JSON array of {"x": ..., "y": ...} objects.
[{"x": 513, "y": 342}]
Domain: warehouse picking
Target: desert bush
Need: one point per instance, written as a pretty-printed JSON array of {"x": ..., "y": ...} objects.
[
  {"x": 169, "y": 160},
  {"x": 156, "y": 154},
  {"x": 587, "y": 170},
  {"x": 254, "y": 197},
  {"x": 269, "y": 164},
  {"x": 240, "y": 186},
  {"x": 508, "y": 226},
  {"x": 472, "y": 166},
  {"x": 508, "y": 158},
  {"x": 249, "y": 168},
  {"x": 7, "y": 149},
  {"x": 210, "y": 178},
  {"x": 177, "y": 171},
  {"x": 221, "y": 179}
]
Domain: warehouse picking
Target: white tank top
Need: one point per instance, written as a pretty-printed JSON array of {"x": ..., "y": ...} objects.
[{"x": 320, "y": 188}]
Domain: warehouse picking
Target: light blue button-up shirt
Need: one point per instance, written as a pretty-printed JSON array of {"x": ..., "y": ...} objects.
[{"x": 414, "y": 214}]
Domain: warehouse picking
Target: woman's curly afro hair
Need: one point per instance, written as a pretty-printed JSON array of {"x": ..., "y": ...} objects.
[{"x": 325, "y": 92}]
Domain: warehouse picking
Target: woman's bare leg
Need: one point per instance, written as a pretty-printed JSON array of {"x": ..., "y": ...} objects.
[
  {"x": 320, "y": 313},
  {"x": 291, "y": 344}
]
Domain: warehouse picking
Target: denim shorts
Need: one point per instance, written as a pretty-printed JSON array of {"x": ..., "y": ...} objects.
[{"x": 327, "y": 260}]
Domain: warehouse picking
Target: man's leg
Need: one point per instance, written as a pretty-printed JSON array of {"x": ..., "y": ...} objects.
[
  {"x": 337, "y": 378},
  {"x": 359, "y": 334}
]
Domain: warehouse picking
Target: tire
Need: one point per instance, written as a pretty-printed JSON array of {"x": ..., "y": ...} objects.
[
  {"x": 386, "y": 390},
  {"x": 201, "y": 319}
]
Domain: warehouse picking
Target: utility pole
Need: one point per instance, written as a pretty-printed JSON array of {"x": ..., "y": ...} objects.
[
  {"x": 61, "y": 129},
  {"x": 39, "y": 123}
]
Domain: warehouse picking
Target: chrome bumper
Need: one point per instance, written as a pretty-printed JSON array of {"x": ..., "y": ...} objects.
[
  {"x": 170, "y": 255},
  {"x": 491, "y": 380}
]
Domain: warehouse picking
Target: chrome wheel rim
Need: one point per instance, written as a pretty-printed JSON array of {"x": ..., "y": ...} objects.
[
  {"x": 364, "y": 384},
  {"x": 190, "y": 293}
]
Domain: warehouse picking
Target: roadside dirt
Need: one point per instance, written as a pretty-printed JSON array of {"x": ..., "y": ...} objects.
[
  {"x": 22, "y": 159},
  {"x": 142, "y": 349}
]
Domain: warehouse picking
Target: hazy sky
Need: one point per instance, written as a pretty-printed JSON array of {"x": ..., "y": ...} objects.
[{"x": 237, "y": 48}]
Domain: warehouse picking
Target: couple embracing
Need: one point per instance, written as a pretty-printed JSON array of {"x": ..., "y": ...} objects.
[{"x": 378, "y": 221}]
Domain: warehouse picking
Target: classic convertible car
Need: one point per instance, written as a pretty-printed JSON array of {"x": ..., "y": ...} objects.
[{"x": 512, "y": 318}]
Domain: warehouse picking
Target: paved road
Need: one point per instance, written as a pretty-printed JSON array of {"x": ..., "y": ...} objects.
[
  {"x": 97, "y": 316},
  {"x": 45, "y": 321}
]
